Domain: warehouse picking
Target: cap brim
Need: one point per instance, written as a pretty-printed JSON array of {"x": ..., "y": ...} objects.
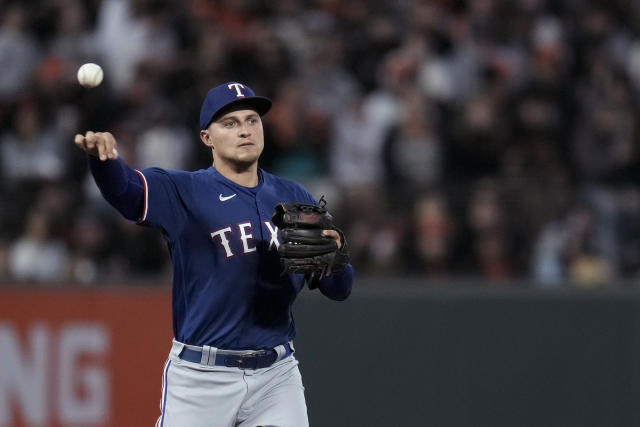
[{"x": 260, "y": 104}]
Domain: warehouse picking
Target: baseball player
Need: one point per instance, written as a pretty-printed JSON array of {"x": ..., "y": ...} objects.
[{"x": 231, "y": 362}]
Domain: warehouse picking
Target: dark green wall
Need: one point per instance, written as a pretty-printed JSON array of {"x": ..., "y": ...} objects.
[{"x": 399, "y": 355}]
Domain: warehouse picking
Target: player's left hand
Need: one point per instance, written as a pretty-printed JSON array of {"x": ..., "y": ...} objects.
[
  {"x": 311, "y": 243},
  {"x": 334, "y": 235}
]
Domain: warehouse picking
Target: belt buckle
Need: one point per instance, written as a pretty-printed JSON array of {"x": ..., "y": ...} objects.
[{"x": 248, "y": 361}]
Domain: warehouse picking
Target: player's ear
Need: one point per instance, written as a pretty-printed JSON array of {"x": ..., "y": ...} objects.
[{"x": 205, "y": 137}]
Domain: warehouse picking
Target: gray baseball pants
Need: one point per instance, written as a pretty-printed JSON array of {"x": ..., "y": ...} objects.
[{"x": 197, "y": 395}]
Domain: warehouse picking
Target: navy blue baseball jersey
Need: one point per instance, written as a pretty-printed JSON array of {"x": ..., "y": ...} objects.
[{"x": 228, "y": 287}]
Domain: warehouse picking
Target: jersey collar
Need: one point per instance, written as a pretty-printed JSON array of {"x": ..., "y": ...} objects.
[{"x": 221, "y": 178}]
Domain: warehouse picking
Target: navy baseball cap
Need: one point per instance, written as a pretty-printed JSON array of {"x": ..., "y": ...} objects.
[{"x": 229, "y": 94}]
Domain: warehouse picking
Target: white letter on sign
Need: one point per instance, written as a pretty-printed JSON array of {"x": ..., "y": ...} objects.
[
  {"x": 23, "y": 375},
  {"x": 83, "y": 388}
]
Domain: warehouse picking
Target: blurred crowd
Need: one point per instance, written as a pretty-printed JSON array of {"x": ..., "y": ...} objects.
[{"x": 481, "y": 139}]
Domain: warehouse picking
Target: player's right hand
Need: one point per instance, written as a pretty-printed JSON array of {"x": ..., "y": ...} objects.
[{"x": 98, "y": 144}]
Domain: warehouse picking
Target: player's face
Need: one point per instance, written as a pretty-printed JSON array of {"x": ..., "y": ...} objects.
[{"x": 236, "y": 138}]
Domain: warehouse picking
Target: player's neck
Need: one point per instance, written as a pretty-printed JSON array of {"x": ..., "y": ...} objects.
[{"x": 245, "y": 176}]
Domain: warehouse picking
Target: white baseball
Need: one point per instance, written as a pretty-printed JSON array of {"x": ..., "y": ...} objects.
[{"x": 90, "y": 75}]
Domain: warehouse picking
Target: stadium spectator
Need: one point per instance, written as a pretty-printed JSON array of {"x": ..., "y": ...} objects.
[
  {"x": 19, "y": 52},
  {"x": 456, "y": 136},
  {"x": 39, "y": 255}
]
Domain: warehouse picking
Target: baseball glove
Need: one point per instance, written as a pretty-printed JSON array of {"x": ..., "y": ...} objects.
[{"x": 304, "y": 249}]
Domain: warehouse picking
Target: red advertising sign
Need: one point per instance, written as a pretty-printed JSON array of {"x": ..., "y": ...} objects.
[{"x": 89, "y": 358}]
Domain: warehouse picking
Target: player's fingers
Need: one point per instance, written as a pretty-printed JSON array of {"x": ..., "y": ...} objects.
[
  {"x": 90, "y": 140},
  {"x": 79, "y": 140},
  {"x": 334, "y": 235},
  {"x": 101, "y": 145},
  {"x": 82, "y": 143},
  {"x": 110, "y": 145}
]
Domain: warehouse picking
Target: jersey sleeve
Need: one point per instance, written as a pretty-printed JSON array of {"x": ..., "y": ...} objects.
[
  {"x": 338, "y": 285},
  {"x": 120, "y": 185},
  {"x": 304, "y": 196},
  {"x": 163, "y": 207}
]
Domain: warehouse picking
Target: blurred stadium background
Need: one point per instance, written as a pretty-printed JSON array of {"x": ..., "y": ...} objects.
[{"x": 482, "y": 157}]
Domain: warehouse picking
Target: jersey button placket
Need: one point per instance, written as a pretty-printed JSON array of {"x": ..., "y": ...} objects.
[{"x": 262, "y": 216}]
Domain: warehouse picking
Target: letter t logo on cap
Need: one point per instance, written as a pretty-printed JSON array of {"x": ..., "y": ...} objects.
[{"x": 237, "y": 87}]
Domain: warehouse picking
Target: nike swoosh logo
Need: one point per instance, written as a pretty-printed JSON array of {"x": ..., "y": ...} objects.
[{"x": 225, "y": 198}]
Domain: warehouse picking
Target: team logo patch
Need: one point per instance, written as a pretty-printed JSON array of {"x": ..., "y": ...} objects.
[{"x": 238, "y": 87}]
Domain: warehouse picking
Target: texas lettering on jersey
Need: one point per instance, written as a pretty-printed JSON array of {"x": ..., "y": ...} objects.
[{"x": 245, "y": 230}]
